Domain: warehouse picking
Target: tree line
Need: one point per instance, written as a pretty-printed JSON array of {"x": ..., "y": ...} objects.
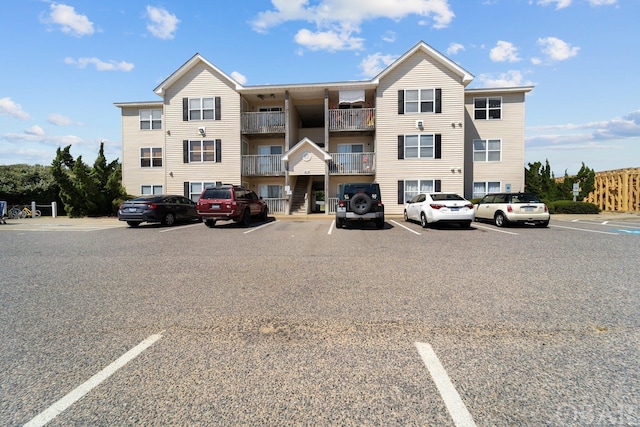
[{"x": 83, "y": 190}]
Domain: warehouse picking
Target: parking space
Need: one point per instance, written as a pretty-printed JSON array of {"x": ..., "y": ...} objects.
[{"x": 297, "y": 322}]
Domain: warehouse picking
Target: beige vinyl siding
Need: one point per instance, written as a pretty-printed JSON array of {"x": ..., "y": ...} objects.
[
  {"x": 299, "y": 166},
  {"x": 510, "y": 130},
  {"x": 201, "y": 81},
  {"x": 419, "y": 71},
  {"x": 133, "y": 139}
]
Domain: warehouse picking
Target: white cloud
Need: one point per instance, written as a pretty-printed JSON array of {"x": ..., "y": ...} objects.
[
  {"x": 162, "y": 23},
  {"x": 99, "y": 64},
  {"x": 454, "y": 48},
  {"x": 337, "y": 20},
  {"x": 60, "y": 120},
  {"x": 70, "y": 22},
  {"x": 34, "y": 130},
  {"x": 10, "y": 108},
  {"x": 373, "y": 64},
  {"x": 511, "y": 78},
  {"x": 556, "y": 49},
  {"x": 389, "y": 37},
  {"x": 504, "y": 51},
  {"x": 560, "y": 4},
  {"x": 239, "y": 78},
  {"x": 603, "y": 2}
]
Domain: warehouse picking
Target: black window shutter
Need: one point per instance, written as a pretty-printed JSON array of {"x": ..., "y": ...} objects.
[
  {"x": 218, "y": 111},
  {"x": 401, "y": 102},
  {"x": 186, "y": 189},
  {"x": 438, "y": 101},
  {"x": 438, "y": 150},
  {"x": 185, "y": 151},
  {"x": 401, "y": 192},
  {"x": 218, "y": 150},
  {"x": 185, "y": 109},
  {"x": 438, "y": 185},
  {"x": 400, "y": 147}
]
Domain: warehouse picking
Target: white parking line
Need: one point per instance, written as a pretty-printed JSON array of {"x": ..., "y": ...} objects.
[
  {"x": 584, "y": 229},
  {"x": 496, "y": 229},
  {"x": 458, "y": 411},
  {"x": 259, "y": 227},
  {"x": 331, "y": 227},
  {"x": 56, "y": 409},
  {"x": 406, "y": 228}
]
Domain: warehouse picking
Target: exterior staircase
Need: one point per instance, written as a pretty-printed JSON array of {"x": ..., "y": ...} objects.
[{"x": 298, "y": 205}]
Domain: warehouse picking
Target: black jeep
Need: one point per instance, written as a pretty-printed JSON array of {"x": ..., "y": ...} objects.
[{"x": 360, "y": 202}]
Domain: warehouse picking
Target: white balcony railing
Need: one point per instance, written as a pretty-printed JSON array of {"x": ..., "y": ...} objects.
[
  {"x": 262, "y": 165},
  {"x": 276, "y": 206},
  {"x": 352, "y": 120},
  {"x": 352, "y": 163},
  {"x": 263, "y": 122}
]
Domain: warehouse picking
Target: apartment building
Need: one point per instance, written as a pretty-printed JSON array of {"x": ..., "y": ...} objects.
[{"x": 414, "y": 127}]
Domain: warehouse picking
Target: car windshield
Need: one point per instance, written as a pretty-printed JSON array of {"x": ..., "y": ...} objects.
[
  {"x": 525, "y": 198},
  {"x": 441, "y": 197},
  {"x": 216, "y": 193}
]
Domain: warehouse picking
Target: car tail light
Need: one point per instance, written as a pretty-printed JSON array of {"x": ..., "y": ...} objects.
[
  {"x": 470, "y": 206},
  {"x": 509, "y": 208},
  {"x": 545, "y": 208},
  {"x": 341, "y": 203},
  {"x": 151, "y": 206},
  {"x": 437, "y": 206}
]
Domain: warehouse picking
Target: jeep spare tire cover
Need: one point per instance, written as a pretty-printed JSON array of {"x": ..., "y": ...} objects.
[{"x": 360, "y": 203}]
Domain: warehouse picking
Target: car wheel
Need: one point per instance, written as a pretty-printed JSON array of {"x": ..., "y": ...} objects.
[
  {"x": 246, "y": 217},
  {"x": 542, "y": 224},
  {"x": 500, "y": 220},
  {"x": 133, "y": 223},
  {"x": 339, "y": 222},
  {"x": 360, "y": 203},
  {"x": 169, "y": 219},
  {"x": 406, "y": 216},
  {"x": 423, "y": 220},
  {"x": 210, "y": 223},
  {"x": 265, "y": 214}
]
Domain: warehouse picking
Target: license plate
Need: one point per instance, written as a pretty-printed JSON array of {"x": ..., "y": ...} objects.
[
  {"x": 215, "y": 206},
  {"x": 132, "y": 210},
  {"x": 528, "y": 208},
  {"x": 454, "y": 209}
]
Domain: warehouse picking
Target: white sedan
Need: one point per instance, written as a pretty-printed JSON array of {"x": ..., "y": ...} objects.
[{"x": 431, "y": 208}]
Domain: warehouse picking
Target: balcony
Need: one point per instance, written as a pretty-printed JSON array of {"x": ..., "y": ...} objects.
[
  {"x": 262, "y": 165},
  {"x": 263, "y": 123},
  {"x": 361, "y": 119},
  {"x": 352, "y": 163}
]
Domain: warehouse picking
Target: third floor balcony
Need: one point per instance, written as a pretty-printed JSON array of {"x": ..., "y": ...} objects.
[{"x": 357, "y": 119}]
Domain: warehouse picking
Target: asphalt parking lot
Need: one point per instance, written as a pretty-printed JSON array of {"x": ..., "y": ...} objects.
[{"x": 295, "y": 322}]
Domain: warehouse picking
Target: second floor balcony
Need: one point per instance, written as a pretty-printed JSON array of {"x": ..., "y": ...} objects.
[
  {"x": 360, "y": 119},
  {"x": 263, "y": 122},
  {"x": 262, "y": 165}
]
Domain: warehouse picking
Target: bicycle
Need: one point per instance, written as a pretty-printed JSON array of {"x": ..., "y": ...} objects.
[
  {"x": 28, "y": 213},
  {"x": 14, "y": 212}
]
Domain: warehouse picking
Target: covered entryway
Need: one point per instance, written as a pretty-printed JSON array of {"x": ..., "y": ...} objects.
[{"x": 306, "y": 166}]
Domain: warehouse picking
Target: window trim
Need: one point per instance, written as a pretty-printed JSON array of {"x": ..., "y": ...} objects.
[
  {"x": 195, "y": 196},
  {"x": 486, "y": 109},
  {"x": 402, "y": 188},
  {"x": 486, "y": 151},
  {"x": 202, "y": 150},
  {"x": 150, "y": 118},
  {"x": 486, "y": 188},
  {"x": 419, "y": 146},
  {"x": 152, "y": 186}
]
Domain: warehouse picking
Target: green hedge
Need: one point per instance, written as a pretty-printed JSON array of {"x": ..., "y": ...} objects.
[{"x": 571, "y": 207}]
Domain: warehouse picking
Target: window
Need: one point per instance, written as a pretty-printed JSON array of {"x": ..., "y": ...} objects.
[
  {"x": 271, "y": 191},
  {"x": 413, "y": 101},
  {"x": 150, "y": 189},
  {"x": 487, "y": 150},
  {"x": 196, "y": 188},
  {"x": 150, "y": 119},
  {"x": 413, "y": 187},
  {"x": 480, "y": 189},
  {"x": 350, "y": 148},
  {"x": 202, "y": 151},
  {"x": 201, "y": 108},
  {"x": 151, "y": 157},
  {"x": 418, "y": 147},
  {"x": 487, "y": 108}
]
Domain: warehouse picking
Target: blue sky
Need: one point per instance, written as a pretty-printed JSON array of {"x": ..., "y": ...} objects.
[{"x": 66, "y": 63}]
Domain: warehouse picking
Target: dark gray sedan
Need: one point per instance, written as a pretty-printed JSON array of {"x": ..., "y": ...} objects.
[{"x": 166, "y": 209}]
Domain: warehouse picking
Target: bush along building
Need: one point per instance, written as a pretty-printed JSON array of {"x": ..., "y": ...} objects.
[{"x": 414, "y": 127}]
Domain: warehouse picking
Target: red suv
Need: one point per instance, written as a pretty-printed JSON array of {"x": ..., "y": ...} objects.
[{"x": 230, "y": 202}]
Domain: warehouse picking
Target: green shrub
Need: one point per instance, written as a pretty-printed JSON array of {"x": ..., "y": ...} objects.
[{"x": 570, "y": 207}]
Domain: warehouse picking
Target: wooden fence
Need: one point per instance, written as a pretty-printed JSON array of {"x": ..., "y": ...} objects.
[{"x": 617, "y": 190}]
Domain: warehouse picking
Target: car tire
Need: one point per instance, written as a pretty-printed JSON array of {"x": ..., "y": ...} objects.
[
  {"x": 339, "y": 222},
  {"x": 246, "y": 217},
  {"x": 133, "y": 223},
  {"x": 360, "y": 203},
  {"x": 500, "y": 220},
  {"x": 406, "y": 216},
  {"x": 423, "y": 220},
  {"x": 264, "y": 215},
  {"x": 169, "y": 219},
  {"x": 210, "y": 223},
  {"x": 542, "y": 224}
]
